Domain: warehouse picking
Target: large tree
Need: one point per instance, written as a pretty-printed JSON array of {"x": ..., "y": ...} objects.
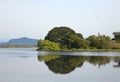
[
  {"x": 66, "y": 37},
  {"x": 58, "y": 34}
]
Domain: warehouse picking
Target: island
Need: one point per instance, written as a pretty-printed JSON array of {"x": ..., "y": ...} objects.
[{"x": 66, "y": 39}]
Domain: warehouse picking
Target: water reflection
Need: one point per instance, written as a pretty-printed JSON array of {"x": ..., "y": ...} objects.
[
  {"x": 117, "y": 60},
  {"x": 64, "y": 64}
]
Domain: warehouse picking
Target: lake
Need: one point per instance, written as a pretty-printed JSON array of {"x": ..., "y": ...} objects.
[{"x": 29, "y": 65}]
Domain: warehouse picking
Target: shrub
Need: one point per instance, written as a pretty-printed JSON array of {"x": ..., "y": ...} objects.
[{"x": 47, "y": 45}]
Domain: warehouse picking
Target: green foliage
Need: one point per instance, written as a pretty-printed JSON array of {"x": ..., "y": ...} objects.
[
  {"x": 64, "y": 38},
  {"x": 60, "y": 35},
  {"x": 77, "y": 42},
  {"x": 117, "y": 36},
  {"x": 113, "y": 44},
  {"x": 47, "y": 45},
  {"x": 100, "y": 41},
  {"x": 80, "y": 35},
  {"x": 67, "y": 38}
]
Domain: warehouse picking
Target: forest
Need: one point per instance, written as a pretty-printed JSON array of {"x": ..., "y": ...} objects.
[{"x": 65, "y": 38}]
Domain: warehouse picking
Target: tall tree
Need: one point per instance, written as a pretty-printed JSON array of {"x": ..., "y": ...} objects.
[
  {"x": 60, "y": 35},
  {"x": 67, "y": 38}
]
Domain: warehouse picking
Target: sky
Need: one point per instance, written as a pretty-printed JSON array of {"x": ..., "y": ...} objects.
[{"x": 34, "y": 18}]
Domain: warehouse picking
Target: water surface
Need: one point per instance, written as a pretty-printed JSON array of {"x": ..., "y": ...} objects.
[{"x": 28, "y": 65}]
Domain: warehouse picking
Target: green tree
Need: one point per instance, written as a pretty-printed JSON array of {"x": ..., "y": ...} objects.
[
  {"x": 77, "y": 42},
  {"x": 117, "y": 36},
  {"x": 80, "y": 35},
  {"x": 67, "y": 38},
  {"x": 100, "y": 41},
  {"x": 60, "y": 35},
  {"x": 47, "y": 45}
]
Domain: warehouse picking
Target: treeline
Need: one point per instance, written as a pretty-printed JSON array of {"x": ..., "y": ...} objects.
[
  {"x": 16, "y": 46},
  {"x": 64, "y": 38}
]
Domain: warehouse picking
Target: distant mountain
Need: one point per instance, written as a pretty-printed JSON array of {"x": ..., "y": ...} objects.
[{"x": 21, "y": 41}]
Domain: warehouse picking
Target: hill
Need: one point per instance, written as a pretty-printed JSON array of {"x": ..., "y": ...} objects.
[{"x": 21, "y": 41}]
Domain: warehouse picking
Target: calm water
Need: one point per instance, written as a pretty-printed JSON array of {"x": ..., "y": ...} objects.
[{"x": 28, "y": 65}]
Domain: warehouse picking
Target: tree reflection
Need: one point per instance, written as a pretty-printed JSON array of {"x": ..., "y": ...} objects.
[
  {"x": 64, "y": 64},
  {"x": 99, "y": 60},
  {"x": 117, "y": 60}
]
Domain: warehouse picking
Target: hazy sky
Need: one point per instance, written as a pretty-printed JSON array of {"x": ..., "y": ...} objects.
[{"x": 34, "y": 18}]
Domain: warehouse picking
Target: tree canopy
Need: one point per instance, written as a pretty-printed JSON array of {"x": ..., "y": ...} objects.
[
  {"x": 65, "y": 38},
  {"x": 116, "y": 36},
  {"x": 59, "y": 34},
  {"x": 102, "y": 42}
]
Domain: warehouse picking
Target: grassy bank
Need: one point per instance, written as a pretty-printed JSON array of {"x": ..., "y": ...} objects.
[{"x": 93, "y": 50}]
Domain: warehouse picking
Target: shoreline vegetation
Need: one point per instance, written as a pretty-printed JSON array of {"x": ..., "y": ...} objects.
[
  {"x": 17, "y": 46},
  {"x": 84, "y": 50},
  {"x": 65, "y": 39},
  {"x": 93, "y": 50}
]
